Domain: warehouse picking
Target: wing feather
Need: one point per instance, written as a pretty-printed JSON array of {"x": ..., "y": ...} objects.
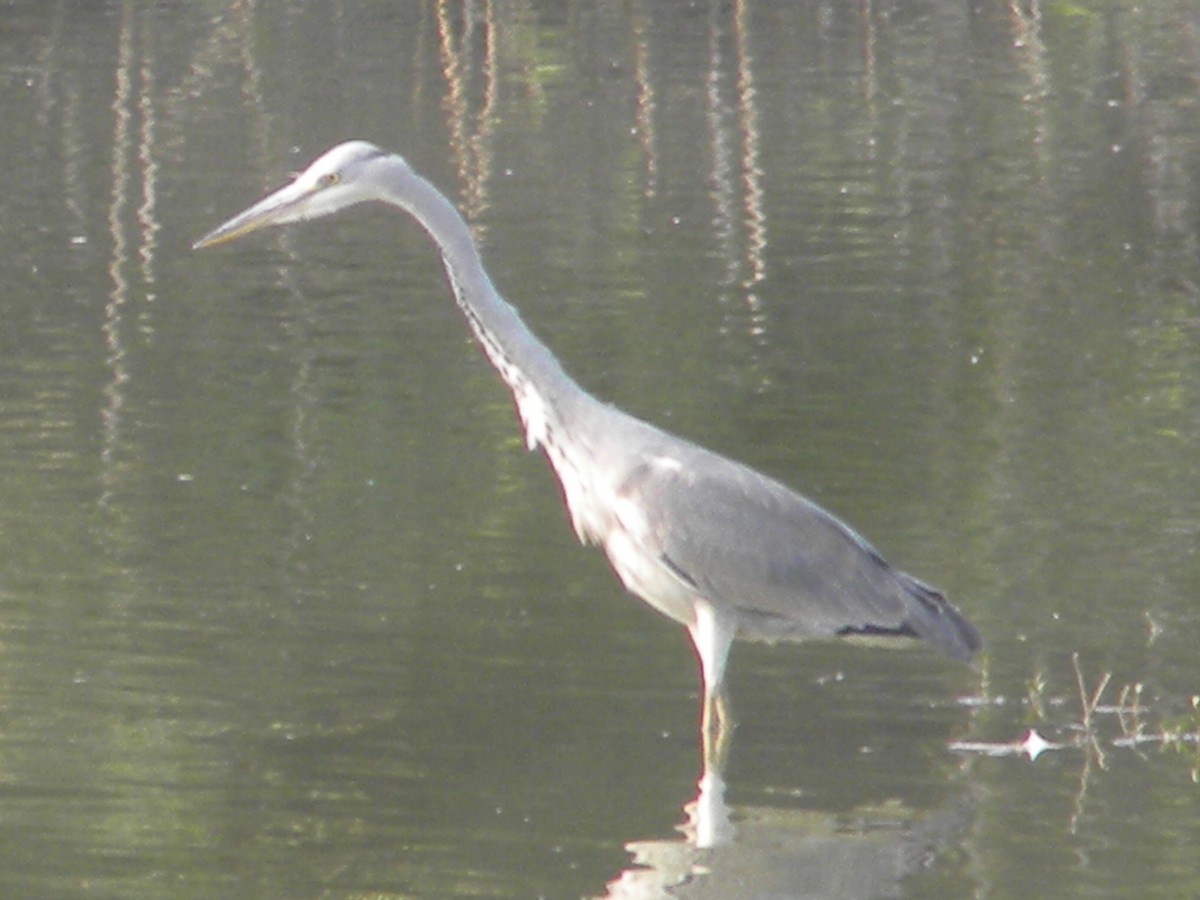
[{"x": 788, "y": 567}]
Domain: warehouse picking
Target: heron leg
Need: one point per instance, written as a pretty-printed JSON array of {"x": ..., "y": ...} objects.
[
  {"x": 716, "y": 729},
  {"x": 712, "y": 632}
]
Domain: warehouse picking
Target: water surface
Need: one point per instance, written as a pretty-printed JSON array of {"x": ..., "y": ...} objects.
[{"x": 286, "y": 609}]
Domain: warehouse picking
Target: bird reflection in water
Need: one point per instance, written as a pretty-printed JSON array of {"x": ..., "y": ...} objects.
[{"x": 787, "y": 852}]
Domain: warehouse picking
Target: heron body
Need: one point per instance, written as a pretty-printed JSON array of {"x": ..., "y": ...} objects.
[{"x": 709, "y": 542}]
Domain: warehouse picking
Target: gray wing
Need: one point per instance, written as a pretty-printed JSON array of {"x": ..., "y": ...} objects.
[{"x": 789, "y": 568}]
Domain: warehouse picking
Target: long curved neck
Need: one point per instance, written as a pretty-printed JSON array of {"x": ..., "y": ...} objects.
[{"x": 546, "y": 397}]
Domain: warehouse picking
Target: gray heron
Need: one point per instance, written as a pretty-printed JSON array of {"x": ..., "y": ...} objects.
[{"x": 709, "y": 542}]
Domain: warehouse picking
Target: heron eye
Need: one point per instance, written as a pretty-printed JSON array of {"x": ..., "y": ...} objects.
[{"x": 329, "y": 179}]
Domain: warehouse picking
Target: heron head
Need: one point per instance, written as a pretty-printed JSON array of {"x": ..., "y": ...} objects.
[{"x": 336, "y": 179}]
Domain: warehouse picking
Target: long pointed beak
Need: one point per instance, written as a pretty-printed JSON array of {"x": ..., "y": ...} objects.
[{"x": 275, "y": 209}]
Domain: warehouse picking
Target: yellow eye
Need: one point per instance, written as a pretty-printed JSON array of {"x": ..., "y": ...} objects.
[{"x": 329, "y": 179}]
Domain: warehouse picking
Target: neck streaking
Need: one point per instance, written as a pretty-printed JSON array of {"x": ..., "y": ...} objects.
[{"x": 549, "y": 403}]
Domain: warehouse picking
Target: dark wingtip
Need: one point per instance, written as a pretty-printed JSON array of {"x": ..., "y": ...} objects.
[{"x": 940, "y": 623}]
